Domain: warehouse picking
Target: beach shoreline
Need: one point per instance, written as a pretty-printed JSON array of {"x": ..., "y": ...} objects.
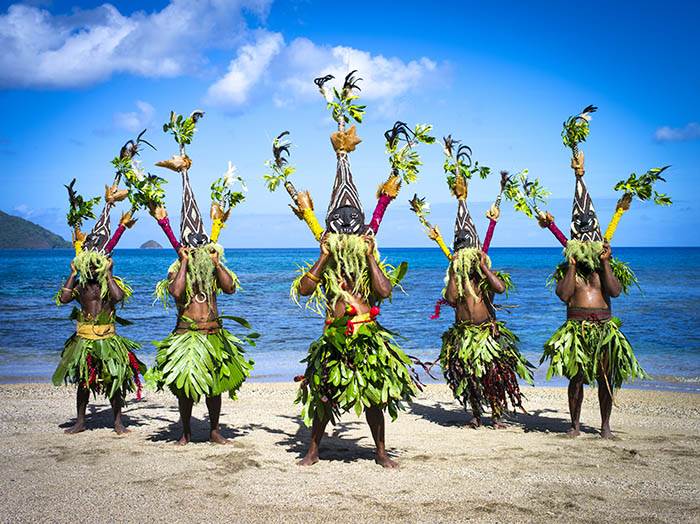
[{"x": 528, "y": 472}]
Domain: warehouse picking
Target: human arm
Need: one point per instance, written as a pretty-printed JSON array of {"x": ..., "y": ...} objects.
[
  {"x": 495, "y": 284},
  {"x": 178, "y": 282},
  {"x": 68, "y": 290},
  {"x": 312, "y": 277},
  {"x": 567, "y": 285},
  {"x": 381, "y": 285},
  {"x": 115, "y": 292},
  {"x": 610, "y": 282},
  {"x": 223, "y": 277}
]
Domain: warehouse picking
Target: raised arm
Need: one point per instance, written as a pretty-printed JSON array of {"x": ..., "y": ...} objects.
[
  {"x": 610, "y": 282},
  {"x": 381, "y": 285},
  {"x": 495, "y": 284},
  {"x": 177, "y": 283},
  {"x": 312, "y": 277},
  {"x": 223, "y": 277},
  {"x": 451, "y": 294},
  {"x": 115, "y": 292},
  {"x": 567, "y": 285},
  {"x": 68, "y": 290}
]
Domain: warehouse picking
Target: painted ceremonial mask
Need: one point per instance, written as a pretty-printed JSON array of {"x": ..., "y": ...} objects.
[
  {"x": 584, "y": 221},
  {"x": 345, "y": 213},
  {"x": 465, "y": 230}
]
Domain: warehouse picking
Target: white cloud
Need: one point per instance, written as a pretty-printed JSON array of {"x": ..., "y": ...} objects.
[
  {"x": 43, "y": 50},
  {"x": 690, "y": 131},
  {"x": 135, "y": 121},
  {"x": 286, "y": 72},
  {"x": 384, "y": 78},
  {"x": 245, "y": 71}
]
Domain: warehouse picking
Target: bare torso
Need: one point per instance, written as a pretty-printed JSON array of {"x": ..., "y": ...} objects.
[
  {"x": 479, "y": 309},
  {"x": 594, "y": 289},
  {"x": 589, "y": 293},
  {"x": 202, "y": 308},
  {"x": 88, "y": 295}
]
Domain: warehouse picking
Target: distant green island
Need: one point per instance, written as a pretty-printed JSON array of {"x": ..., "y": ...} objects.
[{"x": 18, "y": 233}]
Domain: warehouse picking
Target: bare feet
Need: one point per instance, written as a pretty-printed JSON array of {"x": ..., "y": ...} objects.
[
  {"x": 216, "y": 438},
  {"x": 384, "y": 461},
  {"x": 184, "y": 440},
  {"x": 121, "y": 430},
  {"x": 474, "y": 423},
  {"x": 309, "y": 460},
  {"x": 573, "y": 432},
  {"x": 497, "y": 424},
  {"x": 78, "y": 427},
  {"x": 606, "y": 433}
]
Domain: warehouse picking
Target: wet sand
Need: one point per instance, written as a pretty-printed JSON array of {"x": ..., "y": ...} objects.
[{"x": 529, "y": 472}]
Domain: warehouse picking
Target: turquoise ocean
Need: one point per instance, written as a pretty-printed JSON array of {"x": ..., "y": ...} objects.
[{"x": 662, "y": 319}]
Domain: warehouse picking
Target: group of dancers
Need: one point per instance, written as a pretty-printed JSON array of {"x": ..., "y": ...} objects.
[{"x": 356, "y": 364}]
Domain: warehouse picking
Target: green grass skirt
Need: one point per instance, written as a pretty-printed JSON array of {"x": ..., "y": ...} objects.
[
  {"x": 483, "y": 370},
  {"x": 354, "y": 371},
  {"x": 593, "y": 349},
  {"x": 194, "y": 363},
  {"x": 103, "y": 365}
]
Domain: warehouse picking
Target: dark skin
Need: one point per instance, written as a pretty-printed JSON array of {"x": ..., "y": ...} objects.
[
  {"x": 381, "y": 288},
  {"x": 202, "y": 310},
  {"x": 476, "y": 311},
  {"x": 593, "y": 292},
  {"x": 92, "y": 305}
]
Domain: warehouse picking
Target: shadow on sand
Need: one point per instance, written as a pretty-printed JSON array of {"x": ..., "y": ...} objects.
[
  {"x": 449, "y": 414},
  {"x": 336, "y": 445},
  {"x": 99, "y": 417}
]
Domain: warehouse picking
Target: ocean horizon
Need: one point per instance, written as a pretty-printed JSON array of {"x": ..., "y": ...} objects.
[{"x": 660, "y": 319}]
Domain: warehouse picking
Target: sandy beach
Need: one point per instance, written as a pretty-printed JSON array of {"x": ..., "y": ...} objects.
[{"x": 529, "y": 472}]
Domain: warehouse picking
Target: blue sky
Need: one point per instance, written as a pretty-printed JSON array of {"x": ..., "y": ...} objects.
[{"x": 78, "y": 80}]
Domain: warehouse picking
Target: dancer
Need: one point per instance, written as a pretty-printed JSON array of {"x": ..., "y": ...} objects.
[
  {"x": 200, "y": 357},
  {"x": 95, "y": 358},
  {"x": 480, "y": 359},
  {"x": 590, "y": 347},
  {"x": 356, "y": 363}
]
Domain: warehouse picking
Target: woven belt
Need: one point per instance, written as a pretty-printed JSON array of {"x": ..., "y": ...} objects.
[{"x": 95, "y": 331}]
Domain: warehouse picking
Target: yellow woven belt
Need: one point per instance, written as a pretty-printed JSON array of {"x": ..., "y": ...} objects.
[{"x": 95, "y": 331}]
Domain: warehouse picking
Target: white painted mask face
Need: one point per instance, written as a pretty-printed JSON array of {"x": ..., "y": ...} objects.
[{"x": 346, "y": 220}]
